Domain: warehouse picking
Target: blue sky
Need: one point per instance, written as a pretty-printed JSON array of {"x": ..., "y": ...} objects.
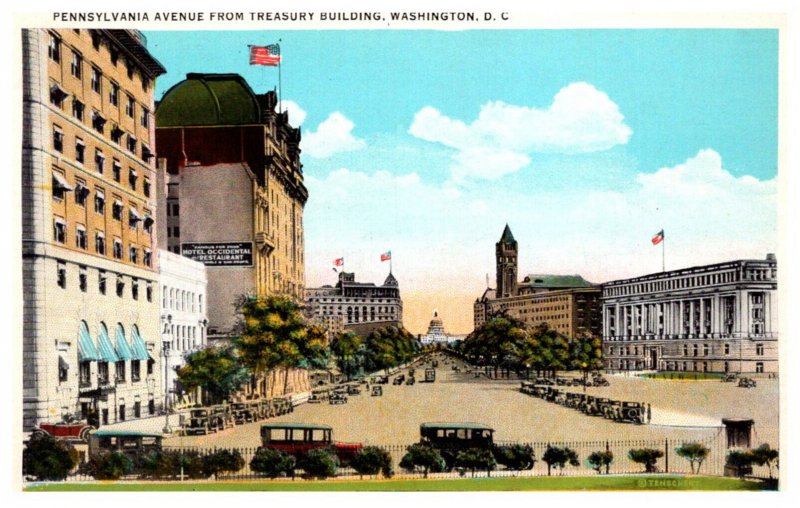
[{"x": 586, "y": 142}]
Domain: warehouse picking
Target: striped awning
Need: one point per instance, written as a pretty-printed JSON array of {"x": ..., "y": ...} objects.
[
  {"x": 86, "y": 350},
  {"x": 138, "y": 346},
  {"x": 107, "y": 353},
  {"x": 123, "y": 348}
]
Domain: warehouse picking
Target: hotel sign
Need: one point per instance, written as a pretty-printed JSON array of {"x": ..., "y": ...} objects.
[{"x": 220, "y": 254}]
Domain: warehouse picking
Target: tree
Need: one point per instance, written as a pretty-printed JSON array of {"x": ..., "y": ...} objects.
[
  {"x": 214, "y": 369},
  {"x": 553, "y": 347},
  {"x": 222, "y": 461},
  {"x": 496, "y": 342},
  {"x": 371, "y": 460},
  {"x": 108, "y": 466},
  {"x": 273, "y": 334},
  {"x": 349, "y": 350},
  {"x": 646, "y": 456},
  {"x": 586, "y": 355},
  {"x": 558, "y": 457},
  {"x": 765, "y": 456},
  {"x": 600, "y": 459},
  {"x": 387, "y": 347},
  {"x": 695, "y": 453},
  {"x": 741, "y": 461},
  {"x": 515, "y": 457},
  {"x": 424, "y": 457},
  {"x": 272, "y": 463},
  {"x": 474, "y": 459},
  {"x": 48, "y": 459},
  {"x": 319, "y": 463}
]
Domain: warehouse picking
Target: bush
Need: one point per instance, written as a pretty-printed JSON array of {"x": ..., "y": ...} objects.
[
  {"x": 515, "y": 457},
  {"x": 695, "y": 453},
  {"x": 474, "y": 459},
  {"x": 765, "y": 456},
  {"x": 741, "y": 461},
  {"x": 598, "y": 460},
  {"x": 222, "y": 461},
  {"x": 423, "y": 457},
  {"x": 155, "y": 464},
  {"x": 272, "y": 463},
  {"x": 47, "y": 459},
  {"x": 108, "y": 466},
  {"x": 371, "y": 460},
  {"x": 558, "y": 457},
  {"x": 319, "y": 463},
  {"x": 646, "y": 456}
]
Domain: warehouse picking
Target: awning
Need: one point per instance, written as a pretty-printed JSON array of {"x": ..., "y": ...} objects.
[
  {"x": 86, "y": 350},
  {"x": 134, "y": 214},
  {"x": 105, "y": 348},
  {"x": 99, "y": 193},
  {"x": 60, "y": 181},
  {"x": 138, "y": 346},
  {"x": 123, "y": 348},
  {"x": 62, "y": 363}
]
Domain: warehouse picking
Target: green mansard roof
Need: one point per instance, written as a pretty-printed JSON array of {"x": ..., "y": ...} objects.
[
  {"x": 209, "y": 99},
  {"x": 555, "y": 281}
]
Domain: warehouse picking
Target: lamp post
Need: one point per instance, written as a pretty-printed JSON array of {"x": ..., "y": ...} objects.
[{"x": 165, "y": 348}]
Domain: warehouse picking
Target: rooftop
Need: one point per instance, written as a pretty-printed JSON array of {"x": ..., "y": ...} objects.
[
  {"x": 555, "y": 281},
  {"x": 209, "y": 99}
]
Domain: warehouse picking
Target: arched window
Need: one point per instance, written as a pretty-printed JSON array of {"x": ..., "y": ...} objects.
[
  {"x": 164, "y": 297},
  {"x": 200, "y": 304},
  {"x": 172, "y": 299}
]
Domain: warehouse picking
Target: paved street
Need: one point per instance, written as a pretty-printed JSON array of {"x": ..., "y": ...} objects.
[{"x": 394, "y": 418}]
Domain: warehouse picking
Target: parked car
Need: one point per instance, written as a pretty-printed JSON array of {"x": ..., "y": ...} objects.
[
  {"x": 199, "y": 422},
  {"x": 73, "y": 431},
  {"x": 399, "y": 380},
  {"x": 451, "y": 438},
  {"x": 353, "y": 390},
  {"x": 729, "y": 378},
  {"x": 747, "y": 382},
  {"x": 410, "y": 381},
  {"x": 338, "y": 398},
  {"x": 299, "y": 438},
  {"x": 430, "y": 375},
  {"x": 377, "y": 391},
  {"x": 129, "y": 442},
  {"x": 317, "y": 396}
]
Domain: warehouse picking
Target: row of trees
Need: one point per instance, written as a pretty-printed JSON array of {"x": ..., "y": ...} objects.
[
  {"x": 273, "y": 336},
  {"x": 504, "y": 342}
]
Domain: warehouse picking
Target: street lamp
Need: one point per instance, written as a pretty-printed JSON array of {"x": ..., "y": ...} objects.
[{"x": 165, "y": 347}]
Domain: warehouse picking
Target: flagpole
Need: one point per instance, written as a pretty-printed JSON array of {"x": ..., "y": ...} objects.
[
  {"x": 663, "y": 264},
  {"x": 280, "y": 84}
]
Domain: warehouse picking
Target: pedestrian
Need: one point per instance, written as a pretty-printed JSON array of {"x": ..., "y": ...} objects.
[{"x": 649, "y": 414}]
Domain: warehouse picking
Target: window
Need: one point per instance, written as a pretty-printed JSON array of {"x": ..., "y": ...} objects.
[
  {"x": 149, "y": 289},
  {"x": 57, "y": 95},
  {"x": 58, "y": 139},
  {"x": 685, "y": 350},
  {"x": 117, "y": 248},
  {"x": 130, "y": 107},
  {"x": 77, "y": 63},
  {"x": 98, "y": 122},
  {"x": 116, "y": 134},
  {"x": 63, "y": 370},
  {"x": 99, "y": 161},
  {"x": 83, "y": 280},
  {"x": 80, "y": 237},
  {"x": 99, "y": 201},
  {"x": 77, "y": 110},
  {"x": 60, "y": 230},
  {"x": 137, "y": 406},
  {"x": 101, "y": 281},
  {"x": 131, "y": 143},
  {"x": 135, "y": 289},
  {"x": 85, "y": 374},
  {"x": 100, "y": 243},
  {"x": 120, "y": 287},
  {"x": 176, "y": 231},
  {"x": 136, "y": 367},
  {"x": 60, "y": 185},
  {"x": 133, "y": 254},
  {"x": 132, "y": 177},
  {"x": 133, "y": 218},
  {"x": 760, "y": 349},
  {"x": 145, "y": 118},
  {"x": 80, "y": 150},
  {"x": 61, "y": 275},
  {"x": 175, "y": 210},
  {"x": 119, "y": 369},
  {"x": 95, "y": 40},
  {"x": 759, "y": 367},
  {"x": 113, "y": 94},
  {"x": 116, "y": 210},
  {"x": 706, "y": 349},
  {"x": 97, "y": 76},
  {"x": 147, "y": 224},
  {"x": 150, "y": 366},
  {"x": 146, "y": 153},
  {"x": 54, "y": 48},
  {"x": 116, "y": 170},
  {"x": 148, "y": 260},
  {"x": 146, "y": 187},
  {"x": 102, "y": 373},
  {"x": 694, "y": 349}
]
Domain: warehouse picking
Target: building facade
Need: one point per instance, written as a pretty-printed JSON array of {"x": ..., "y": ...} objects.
[
  {"x": 182, "y": 289},
  {"x": 91, "y": 342},
  {"x": 233, "y": 192},
  {"x": 567, "y": 303},
  {"x": 714, "y": 318},
  {"x": 437, "y": 334},
  {"x": 356, "y": 306}
]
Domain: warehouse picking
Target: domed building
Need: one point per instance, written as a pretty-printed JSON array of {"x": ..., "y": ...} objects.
[{"x": 436, "y": 332}]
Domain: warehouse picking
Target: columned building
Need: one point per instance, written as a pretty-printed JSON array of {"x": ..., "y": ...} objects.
[
  {"x": 356, "y": 306},
  {"x": 714, "y": 318},
  {"x": 182, "y": 289},
  {"x": 568, "y": 304},
  {"x": 436, "y": 333},
  {"x": 91, "y": 338}
]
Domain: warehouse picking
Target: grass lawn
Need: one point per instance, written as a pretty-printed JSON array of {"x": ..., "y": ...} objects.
[
  {"x": 684, "y": 376},
  {"x": 640, "y": 483}
]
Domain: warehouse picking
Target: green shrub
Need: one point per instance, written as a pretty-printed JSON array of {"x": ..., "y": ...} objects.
[
  {"x": 741, "y": 461},
  {"x": 646, "y": 456},
  {"x": 47, "y": 459},
  {"x": 319, "y": 463},
  {"x": 765, "y": 456},
  {"x": 474, "y": 459},
  {"x": 424, "y": 457},
  {"x": 222, "y": 461},
  {"x": 559, "y": 457},
  {"x": 695, "y": 453},
  {"x": 109, "y": 466},
  {"x": 598, "y": 460},
  {"x": 516, "y": 457},
  {"x": 371, "y": 460},
  {"x": 272, "y": 463},
  {"x": 155, "y": 464}
]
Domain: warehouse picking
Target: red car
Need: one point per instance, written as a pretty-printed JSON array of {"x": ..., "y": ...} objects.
[
  {"x": 298, "y": 439},
  {"x": 75, "y": 431}
]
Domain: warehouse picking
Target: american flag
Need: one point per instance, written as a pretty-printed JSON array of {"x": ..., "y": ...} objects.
[
  {"x": 658, "y": 237},
  {"x": 265, "y": 55},
  {"x": 338, "y": 262}
]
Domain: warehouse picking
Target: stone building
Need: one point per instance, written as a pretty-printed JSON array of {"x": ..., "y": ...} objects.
[
  {"x": 437, "y": 334},
  {"x": 91, "y": 342},
  {"x": 713, "y": 318},
  {"x": 356, "y": 306},
  {"x": 567, "y": 303}
]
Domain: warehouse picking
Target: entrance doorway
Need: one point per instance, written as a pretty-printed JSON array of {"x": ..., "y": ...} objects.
[{"x": 654, "y": 359}]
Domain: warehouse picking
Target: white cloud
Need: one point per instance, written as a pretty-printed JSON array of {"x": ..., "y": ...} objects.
[
  {"x": 297, "y": 115},
  {"x": 580, "y": 119},
  {"x": 334, "y": 135}
]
